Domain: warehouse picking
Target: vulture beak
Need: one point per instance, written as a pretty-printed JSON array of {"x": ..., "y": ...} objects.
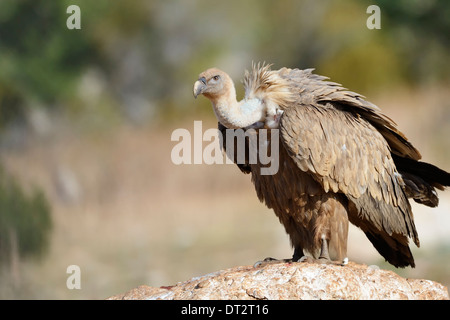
[{"x": 199, "y": 86}]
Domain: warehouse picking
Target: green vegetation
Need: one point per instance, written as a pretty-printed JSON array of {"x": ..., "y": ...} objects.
[
  {"x": 25, "y": 221},
  {"x": 144, "y": 53}
]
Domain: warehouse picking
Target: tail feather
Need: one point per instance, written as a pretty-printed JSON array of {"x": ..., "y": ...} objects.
[
  {"x": 421, "y": 179},
  {"x": 389, "y": 237},
  {"x": 394, "y": 248}
]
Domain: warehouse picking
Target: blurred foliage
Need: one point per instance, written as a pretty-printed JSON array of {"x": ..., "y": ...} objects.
[
  {"x": 25, "y": 221},
  {"x": 138, "y": 58},
  {"x": 40, "y": 60},
  {"x": 420, "y": 29}
]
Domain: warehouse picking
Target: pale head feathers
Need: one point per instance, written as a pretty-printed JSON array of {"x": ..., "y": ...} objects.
[
  {"x": 264, "y": 84},
  {"x": 215, "y": 84}
]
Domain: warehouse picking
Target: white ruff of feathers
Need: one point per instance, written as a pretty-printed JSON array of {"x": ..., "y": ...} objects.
[
  {"x": 266, "y": 95},
  {"x": 269, "y": 88}
]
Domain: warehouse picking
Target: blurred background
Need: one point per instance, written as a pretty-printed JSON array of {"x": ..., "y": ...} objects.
[{"x": 86, "y": 118}]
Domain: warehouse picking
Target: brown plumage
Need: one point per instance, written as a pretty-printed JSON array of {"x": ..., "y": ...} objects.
[{"x": 341, "y": 159}]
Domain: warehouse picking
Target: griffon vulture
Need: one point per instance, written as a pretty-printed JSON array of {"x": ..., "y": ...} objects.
[{"x": 340, "y": 159}]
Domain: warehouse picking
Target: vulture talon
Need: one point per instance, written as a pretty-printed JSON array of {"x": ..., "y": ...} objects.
[
  {"x": 322, "y": 260},
  {"x": 306, "y": 259},
  {"x": 269, "y": 260}
]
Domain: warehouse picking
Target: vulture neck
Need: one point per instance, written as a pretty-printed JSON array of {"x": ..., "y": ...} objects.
[{"x": 233, "y": 114}]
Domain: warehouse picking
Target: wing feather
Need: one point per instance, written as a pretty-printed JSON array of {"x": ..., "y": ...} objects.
[
  {"x": 350, "y": 156},
  {"x": 311, "y": 88}
]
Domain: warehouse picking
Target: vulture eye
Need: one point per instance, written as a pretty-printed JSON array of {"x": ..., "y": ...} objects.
[{"x": 216, "y": 78}]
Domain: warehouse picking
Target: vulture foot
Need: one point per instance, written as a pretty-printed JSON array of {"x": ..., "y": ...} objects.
[
  {"x": 269, "y": 260},
  {"x": 323, "y": 260},
  {"x": 298, "y": 252},
  {"x": 324, "y": 257}
]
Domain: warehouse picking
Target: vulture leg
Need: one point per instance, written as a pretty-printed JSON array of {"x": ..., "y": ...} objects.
[
  {"x": 325, "y": 256},
  {"x": 298, "y": 254},
  {"x": 324, "y": 250},
  {"x": 330, "y": 225}
]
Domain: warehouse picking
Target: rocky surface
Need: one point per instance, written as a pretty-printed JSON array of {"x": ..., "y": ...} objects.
[{"x": 296, "y": 281}]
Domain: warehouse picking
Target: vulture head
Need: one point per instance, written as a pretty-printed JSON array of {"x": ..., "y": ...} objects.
[
  {"x": 218, "y": 87},
  {"x": 213, "y": 84}
]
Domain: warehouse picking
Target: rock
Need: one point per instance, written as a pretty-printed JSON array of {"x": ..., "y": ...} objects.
[{"x": 303, "y": 281}]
